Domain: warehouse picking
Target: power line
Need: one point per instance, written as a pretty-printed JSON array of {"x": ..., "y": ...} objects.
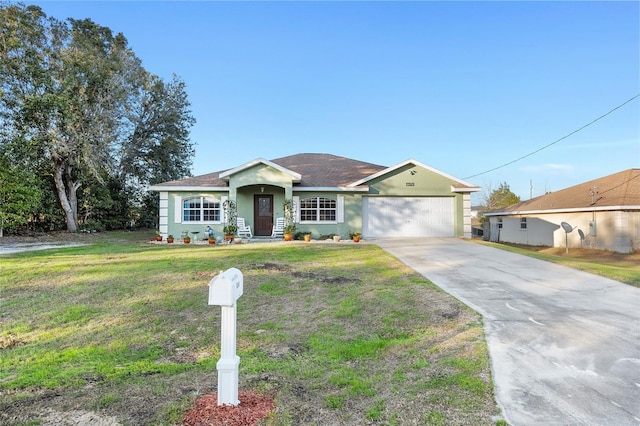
[
  {"x": 555, "y": 142},
  {"x": 619, "y": 185}
]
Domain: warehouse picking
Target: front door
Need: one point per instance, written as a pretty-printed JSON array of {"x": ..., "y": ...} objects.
[{"x": 263, "y": 214}]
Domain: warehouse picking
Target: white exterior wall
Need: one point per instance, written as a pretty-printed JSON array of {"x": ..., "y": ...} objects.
[
  {"x": 164, "y": 214},
  {"x": 615, "y": 230},
  {"x": 466, "y": 219}
]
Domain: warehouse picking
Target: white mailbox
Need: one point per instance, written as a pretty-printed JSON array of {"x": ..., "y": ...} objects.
[{"x": 225, "y": 288}]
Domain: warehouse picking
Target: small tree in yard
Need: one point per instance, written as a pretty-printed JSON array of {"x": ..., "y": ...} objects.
[{"x": 498, "y": 198}]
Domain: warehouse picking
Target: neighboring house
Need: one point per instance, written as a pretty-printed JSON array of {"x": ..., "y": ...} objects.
[
  {"x": 603, "y": 213},
  {"x": 332, "y": 195}
]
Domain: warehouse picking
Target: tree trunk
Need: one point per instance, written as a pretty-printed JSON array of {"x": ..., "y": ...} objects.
[{"x": 67, "y": 196}]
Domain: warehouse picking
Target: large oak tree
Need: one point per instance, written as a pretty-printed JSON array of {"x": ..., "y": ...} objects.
[{"x": 78, "y": 105}]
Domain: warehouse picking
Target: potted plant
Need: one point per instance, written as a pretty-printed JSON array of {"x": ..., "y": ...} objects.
[
  {"x": 355, "y": 236},
  {"x": 289, "y": 230},
  {"x": 289, "y": 219},
  {"x": 158, "y": 236},
  {"x": 229, "y": 231},
  {"x": 169, "y": 239},
  {"x": 307, "y": 237},
  {"x": 185, "y": 237}
]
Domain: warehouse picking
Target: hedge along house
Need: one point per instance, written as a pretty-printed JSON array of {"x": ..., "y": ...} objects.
[
  {"x": 604, "y": 214},
  {"x": 331, "y": 194}
]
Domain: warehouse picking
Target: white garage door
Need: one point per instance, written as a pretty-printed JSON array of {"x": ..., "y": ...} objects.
[{"x": 408, "y": 217}]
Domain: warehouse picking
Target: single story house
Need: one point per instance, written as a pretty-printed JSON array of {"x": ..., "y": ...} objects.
[
  {"x": 331, "y": 194},
  {"x": 602, "y": 214}
]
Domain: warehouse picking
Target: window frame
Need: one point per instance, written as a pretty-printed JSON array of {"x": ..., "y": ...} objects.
[
  {"x": 523, "y": 221},
  {"x": 203, "y": 209},
  {"x": 319, "y": 210}
]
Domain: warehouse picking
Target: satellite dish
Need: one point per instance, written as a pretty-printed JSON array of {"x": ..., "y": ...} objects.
[
  {"x": 567, "y": 228},
  {"x": 581, "y": 236}
]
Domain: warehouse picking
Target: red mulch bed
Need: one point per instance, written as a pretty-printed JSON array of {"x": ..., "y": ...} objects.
[{"x": 252, "y": 408}]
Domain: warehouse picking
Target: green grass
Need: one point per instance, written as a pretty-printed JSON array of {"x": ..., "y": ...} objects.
[{"x": 338, "y": 334}]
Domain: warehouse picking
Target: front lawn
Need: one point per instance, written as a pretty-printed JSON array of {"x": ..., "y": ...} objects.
[{"x": 338, "y": 334}]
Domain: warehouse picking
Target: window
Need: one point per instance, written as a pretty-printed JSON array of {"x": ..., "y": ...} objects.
[
  {"x": 201, "y": 209},
  {"x": 317, "y": 209},
  {"x": 499, "y": 223},
  {"x": 523, "y": 223}
]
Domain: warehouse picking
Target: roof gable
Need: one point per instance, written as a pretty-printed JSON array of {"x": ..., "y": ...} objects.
[
  {"x": 295, "y": 177},
  {"x": 620, "y": 189},
  {"x": 457, "y": 184}
]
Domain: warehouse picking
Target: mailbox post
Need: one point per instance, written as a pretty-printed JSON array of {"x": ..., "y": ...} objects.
[{"x": 224, "y": 290}]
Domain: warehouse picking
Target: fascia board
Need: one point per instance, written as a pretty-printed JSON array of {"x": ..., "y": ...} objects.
[
  {"x": 296, "y": 176},
  {"x": 571, "y": 210},
  {"x": 415, "y": 163},
  {"x": 465, "y": 190},
  {"x": 188, "y": 188}
]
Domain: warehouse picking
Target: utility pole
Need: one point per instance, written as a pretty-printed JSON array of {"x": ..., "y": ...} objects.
[{"x": 530, "y": 188}]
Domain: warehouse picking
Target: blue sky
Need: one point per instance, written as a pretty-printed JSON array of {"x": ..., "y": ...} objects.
[{"x": 463, "y": 87}]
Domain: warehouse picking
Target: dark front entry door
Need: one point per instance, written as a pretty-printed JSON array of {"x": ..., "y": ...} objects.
[{"x": 263, "y": 214}]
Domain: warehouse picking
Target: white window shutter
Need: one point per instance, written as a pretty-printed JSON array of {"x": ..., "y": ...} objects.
[
  {"x": 340, "y": 212},
  {"x": 177, "y": 209},
  {"x": 296, "y": 205}
]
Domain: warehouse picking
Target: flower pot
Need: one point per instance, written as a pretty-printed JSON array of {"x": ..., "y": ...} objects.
[
  {"x": 228, "y": 238},
  {"x": 169, "y": 240},
  {"x": 356, "y": 239},
  {"x": 307, "y": 238},
  {"x": 186, "y": 240},
  {"x": 336, "y": 238},
  {"x": 158, "y": 237},
  {"x": 212, "y": 240},
  {"x": 288, "y": 237}
]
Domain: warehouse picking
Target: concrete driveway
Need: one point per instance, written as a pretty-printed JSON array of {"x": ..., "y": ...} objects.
[{"x": 564, "y": 345}]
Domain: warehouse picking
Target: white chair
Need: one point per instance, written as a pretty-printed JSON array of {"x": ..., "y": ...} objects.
[
  {"x": 244, "y": 230},
  {"x": 278, "y": 228}
]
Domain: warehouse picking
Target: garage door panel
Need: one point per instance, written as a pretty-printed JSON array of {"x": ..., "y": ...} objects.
[{"x": 408, "y": 217}]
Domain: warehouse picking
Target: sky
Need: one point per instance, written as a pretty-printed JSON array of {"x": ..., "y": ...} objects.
[{"x": 466, "y": 88}]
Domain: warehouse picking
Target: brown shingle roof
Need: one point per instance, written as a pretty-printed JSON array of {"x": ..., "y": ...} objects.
[
  {"x": 618, "y": 189},
  {"x": 327, "y": 170},
  {"x": 317, "y": 170}
]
